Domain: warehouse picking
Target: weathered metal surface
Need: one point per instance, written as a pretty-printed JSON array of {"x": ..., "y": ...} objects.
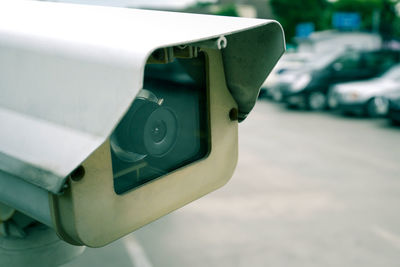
[{"x": 68, "y": 73}]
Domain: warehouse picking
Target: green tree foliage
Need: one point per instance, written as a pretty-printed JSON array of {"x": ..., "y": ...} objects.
[
  {"x": 363, "y": 7},
  {"x": 389, "y": 22},
  {"x": 211, "y": 8},
  {"x": 384, "y": 9},
  {"x": 227, "y": 10},
  {"x": 290, "y": 13}
]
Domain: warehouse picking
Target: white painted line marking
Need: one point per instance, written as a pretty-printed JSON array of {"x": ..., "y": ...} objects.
[
  {"x": 387, "y": 236},
  {"x": 136, "y": 253}
]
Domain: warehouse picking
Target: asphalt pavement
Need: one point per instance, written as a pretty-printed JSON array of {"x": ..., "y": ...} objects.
[{"x": 310, "y": 189}]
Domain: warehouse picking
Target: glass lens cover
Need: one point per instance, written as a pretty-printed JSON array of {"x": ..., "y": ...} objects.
[{"x": 166, "y": 126}]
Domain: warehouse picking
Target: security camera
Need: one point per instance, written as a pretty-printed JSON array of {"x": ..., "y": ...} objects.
[{"x": 111, "y": 118}]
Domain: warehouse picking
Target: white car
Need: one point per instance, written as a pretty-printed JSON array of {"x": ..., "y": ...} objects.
[
  {"x": 366, "y": 97},
  {"x": 288, "y": 63}
]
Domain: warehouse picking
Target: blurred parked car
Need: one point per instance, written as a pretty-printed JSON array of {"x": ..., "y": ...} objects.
[
  {"x": 368, "y": 97},
  {"x": 309, "y": 86},
  {"x": 394, "y": 107},
  {"x": 288, "y": 62}
]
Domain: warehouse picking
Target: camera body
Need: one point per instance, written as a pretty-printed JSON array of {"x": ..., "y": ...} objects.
[{"x": 111, "y": 122}]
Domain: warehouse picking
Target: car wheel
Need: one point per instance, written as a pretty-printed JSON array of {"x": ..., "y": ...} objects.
[
  {"x": 277, "y": 95},
  {"x": 376, "y": 107},
  {"x": 316, "y": 101},
  {"x": 332, "y": 102}
]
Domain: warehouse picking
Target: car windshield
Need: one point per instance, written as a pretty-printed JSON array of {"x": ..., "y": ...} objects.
[
  {"x": 322, "y": 60},
  {"x": 296, "y": 57}
]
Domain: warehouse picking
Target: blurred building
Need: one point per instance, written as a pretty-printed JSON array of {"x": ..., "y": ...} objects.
[{"x": 326, "y": 41}]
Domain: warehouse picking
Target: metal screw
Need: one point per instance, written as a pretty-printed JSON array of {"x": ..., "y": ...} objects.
[
  {"x": 234, "y": 114},
  {"x": 78, "y": 174}
]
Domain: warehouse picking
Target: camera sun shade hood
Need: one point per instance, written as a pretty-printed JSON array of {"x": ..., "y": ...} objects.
[{"x": 68, "y": 74}]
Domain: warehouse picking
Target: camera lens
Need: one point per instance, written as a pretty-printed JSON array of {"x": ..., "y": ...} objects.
[
  {"x": 147, "y": 130},
  {"x": 166, "y": 126},
  {"x": 160, "y": 131}
]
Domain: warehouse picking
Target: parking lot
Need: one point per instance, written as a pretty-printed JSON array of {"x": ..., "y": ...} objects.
[{"x": 310, "y": 189}]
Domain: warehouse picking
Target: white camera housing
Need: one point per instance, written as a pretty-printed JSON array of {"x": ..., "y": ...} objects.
[{"x": 68, "y": 75}]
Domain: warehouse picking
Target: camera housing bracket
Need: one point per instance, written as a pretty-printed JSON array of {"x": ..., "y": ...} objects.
[{"x": 77, "y": 218}]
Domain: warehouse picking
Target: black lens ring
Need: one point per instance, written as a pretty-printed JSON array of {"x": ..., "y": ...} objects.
[
  {"x": 126, "y": 139},
  {"x": 167, "y": 117}
]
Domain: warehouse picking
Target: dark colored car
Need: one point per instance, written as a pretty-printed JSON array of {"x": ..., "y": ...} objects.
[
  {"x": 394, "y": 110},
  {"x": 309, "y": 87}
]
